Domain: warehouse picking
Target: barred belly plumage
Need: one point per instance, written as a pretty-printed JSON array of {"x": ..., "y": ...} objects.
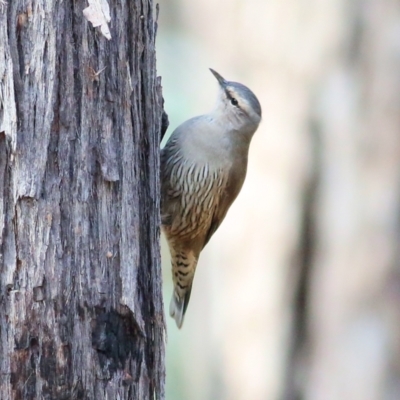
[{"x": 197, "y": 190}]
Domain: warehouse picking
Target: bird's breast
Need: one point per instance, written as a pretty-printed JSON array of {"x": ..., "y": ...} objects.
[{"x": 197, "y": 190}]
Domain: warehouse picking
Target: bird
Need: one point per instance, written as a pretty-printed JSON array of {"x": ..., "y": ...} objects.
[{"x": 203, "y": 167}]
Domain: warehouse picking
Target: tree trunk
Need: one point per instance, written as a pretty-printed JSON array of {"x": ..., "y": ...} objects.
[{"x": 81, "y": 312}]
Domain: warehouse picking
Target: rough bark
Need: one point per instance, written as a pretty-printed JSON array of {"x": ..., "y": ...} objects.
[{"x": 81, "y": 313}]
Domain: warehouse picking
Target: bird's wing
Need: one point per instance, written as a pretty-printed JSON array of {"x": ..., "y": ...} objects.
[
  {"x": 234, "y": 183},
  {"x": 218, "y": 217}
]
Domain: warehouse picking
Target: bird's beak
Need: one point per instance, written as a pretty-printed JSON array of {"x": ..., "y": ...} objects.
[{"x": 219, "y": 78}]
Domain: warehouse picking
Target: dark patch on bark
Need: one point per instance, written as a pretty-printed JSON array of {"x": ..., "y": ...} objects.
[
  {"x": 164, "y": 124},
  {"x": 116, "y": 338}
]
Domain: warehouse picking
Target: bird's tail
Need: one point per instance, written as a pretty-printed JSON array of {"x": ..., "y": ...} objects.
[
  {"x": 178, "y": 306},
  {"x": 184, "y": 264}
]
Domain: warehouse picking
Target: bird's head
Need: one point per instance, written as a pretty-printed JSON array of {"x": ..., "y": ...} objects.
[{"x": 238, "y": 104}]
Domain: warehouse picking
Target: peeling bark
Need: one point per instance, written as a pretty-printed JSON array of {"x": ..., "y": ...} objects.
[{"x": 81, "y": 312}]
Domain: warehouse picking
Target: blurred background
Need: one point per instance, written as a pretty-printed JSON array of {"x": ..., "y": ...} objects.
[{"x": 297, "y": 296}]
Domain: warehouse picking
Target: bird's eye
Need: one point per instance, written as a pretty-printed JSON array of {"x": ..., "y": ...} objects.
[{"x": 234, "y": 102}]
